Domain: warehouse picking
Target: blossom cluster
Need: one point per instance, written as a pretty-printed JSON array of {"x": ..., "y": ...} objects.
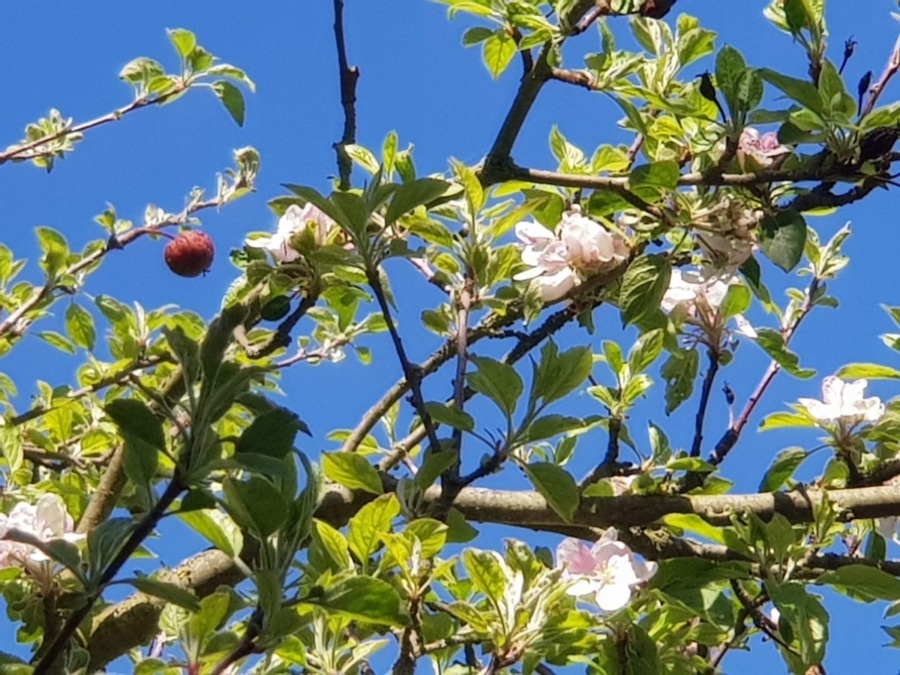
[
  {"x": 559, "y": 260},
  {"x": 46, "y": 521},
  {"x": 294, "y": 220},
  {"x": 757, "y": 151},
  {"x": 843, "y": 403},
  {"x": 699, "y": 294},
  {"x": 608, "y": 570}
]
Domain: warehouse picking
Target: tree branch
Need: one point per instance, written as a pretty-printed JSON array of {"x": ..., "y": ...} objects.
[
  {"x": 24, "y": 151},
  {"x": 893, "y": 65},
  {"x": 348, "y": 77}
]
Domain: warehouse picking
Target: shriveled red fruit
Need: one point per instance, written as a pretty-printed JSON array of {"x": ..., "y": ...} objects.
[{"x": 190, "y": 254}]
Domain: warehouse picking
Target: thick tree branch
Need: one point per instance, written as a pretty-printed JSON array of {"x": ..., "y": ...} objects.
[{"x": 133, "y": 621}]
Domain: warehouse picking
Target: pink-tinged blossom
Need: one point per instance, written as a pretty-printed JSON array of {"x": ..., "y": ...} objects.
[
  {"x": 609, "y": 570},
  {"x": 294, "y": 220},
  {"x": 760, "y": 151},
  {"x": 47, "y": 521},
  {"x": 556, "y": 259},
  {"x": 843, "y": 402}
]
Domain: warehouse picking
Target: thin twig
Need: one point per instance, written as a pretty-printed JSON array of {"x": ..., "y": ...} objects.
[
  {"x": 348, "y": 76},
  {"x": 893, "y": 65},
  {"x": 140, "y": 532},
  {"x": 282, "y": 335},
  {"x": 450, "y": 479},
  {"x": 410, "y": 371},
  {"x": 244, "y": 648},
  {"x": 524, "y": 345},
  {"x": 18, "y": 151},
  {"x": 115, "y": 378},
  {"x": 486, "y": 327},
  {"x": 708, "y": 380},
  {"x": 732, "y": 434},
  {"x": 11, "y": 324}
]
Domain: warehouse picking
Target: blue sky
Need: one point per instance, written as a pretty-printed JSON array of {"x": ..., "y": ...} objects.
[{"x": 417, "y": 79}]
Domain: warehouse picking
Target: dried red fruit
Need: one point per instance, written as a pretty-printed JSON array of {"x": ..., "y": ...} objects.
[{"x": 190, "y": 254}]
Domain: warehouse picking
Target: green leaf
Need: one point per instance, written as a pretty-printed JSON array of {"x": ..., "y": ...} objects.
[
  {"x": 805, "y": 615},
  {"x": 434, "y": 464},
  {"x": 498, "y": 381},
  {"x": 186, "y": 351},
  {"x": 643, "y": 286},
  {"x": 497, "y": 51},
  {"x": 443, "y": 413},
  {"x": 654, "y": 178},
  {"x": 680, "y": 371},
  {"x": 105, "y": 541},
  {"x": 689, "y": 464},
  {"x": 231, "y": 98},
  {"x": 329, "y": 208},
  {"x": 549, "y": 426},
  {"x": 352, "y": 471},
  {"x": 486, "y": 572},
  {"x": 333, "y": 543},
  {"x": 691, "y": 522},
  {"x": 476, "y": 35},
  {"x": 255, "y": 504},
  {"x": 137, "y": 422},
  {"x": 869, "y": 371},
  {"x": 802, "y": 91},
  {"x": 371, "y": 520},
  {"x": 183, "y": 40},
  {"x": 730, "y": 68},
  {"x": 645, "y": 351},
  {"x": 271, "y": 434},
  {"x": 785, "y": 420},
  {"x": 736, "y": 301},
  {"x": 782, "y": 238},
  {"x": 560, "y": 374},
  {"x": 56, "y": 340},
  {"x": 556, "y": 486},
  {"x": 641, "y": 653},
  {"x": 431, "y": 533},
  {"x": 362, "y": 599},
  {"x": 204, "y": 523},
  {"x": 862, "y": 582},
  {"x": 782, "y": 469},
  {"x": 218, "y": 336},
  {"x": 459, "y": 530},
  {"x": 80, "y": 326},
  {"x": 772, "y": 342},
  {"x": 412, "y": 194},
  {"x": 163, "y": 590}
]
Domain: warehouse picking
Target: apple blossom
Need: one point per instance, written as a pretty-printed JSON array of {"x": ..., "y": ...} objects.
[
  {"x": 608, "y": 569},
  {"x": 578, "y": 245},
  {"x": 843, "y": 402},
  {"x": 762, "y": 150},
  {"x": 47, "y": 521},
  {"x": 700, "y": 293},
  {"x": 294, "y": 220}
]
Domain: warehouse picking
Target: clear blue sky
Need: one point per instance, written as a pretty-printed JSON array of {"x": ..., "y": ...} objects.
[{"x": 416, "y": 79}]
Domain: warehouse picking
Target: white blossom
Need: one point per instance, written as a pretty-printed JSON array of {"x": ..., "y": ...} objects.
[
  {"x": 609, "y": 570},
  {"x": 47, "y": 521},
  {"x": 294, "y": 220},
  {"x": 555, "y": 259},
  {"x": 701, "y": 293},
  {"x": 843, "y": 402}
]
